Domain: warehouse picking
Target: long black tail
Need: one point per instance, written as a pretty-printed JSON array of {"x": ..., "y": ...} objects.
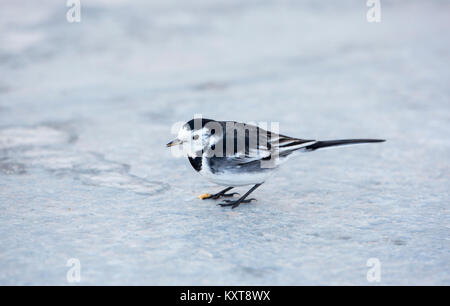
[{"x": 341, "y": 142}]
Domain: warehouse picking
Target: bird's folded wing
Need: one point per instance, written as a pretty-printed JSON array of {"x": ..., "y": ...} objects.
[{"x": 259, "y": 143}]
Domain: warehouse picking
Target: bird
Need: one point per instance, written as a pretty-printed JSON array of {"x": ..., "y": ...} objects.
[{"x": 235, "y": 154}]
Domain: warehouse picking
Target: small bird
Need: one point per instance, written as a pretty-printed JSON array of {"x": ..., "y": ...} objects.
[{"x": 234, "y": 154}]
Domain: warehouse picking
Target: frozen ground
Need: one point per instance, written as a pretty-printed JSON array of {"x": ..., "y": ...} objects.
[{"x": 86, "y": 109}]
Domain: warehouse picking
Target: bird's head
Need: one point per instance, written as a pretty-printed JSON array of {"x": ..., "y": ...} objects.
[{"x": 195, "y": 136}]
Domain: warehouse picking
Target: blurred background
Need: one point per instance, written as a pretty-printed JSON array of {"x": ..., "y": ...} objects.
[{"x": 86, "y": 109}]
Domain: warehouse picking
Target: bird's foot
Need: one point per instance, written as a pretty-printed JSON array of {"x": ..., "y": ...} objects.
[
  {"x": 236, "y": 203},
  {"x": 217, "y": 195}
]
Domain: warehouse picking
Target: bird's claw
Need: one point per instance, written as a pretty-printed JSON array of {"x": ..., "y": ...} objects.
[
  {"x": 235, "y": 204},
  {"x": 243, "y": 201}
]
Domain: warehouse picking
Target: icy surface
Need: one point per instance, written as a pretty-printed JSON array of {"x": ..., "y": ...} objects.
[{"x": 86, "y": 109}]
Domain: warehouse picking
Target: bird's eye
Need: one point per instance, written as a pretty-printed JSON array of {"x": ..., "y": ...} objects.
[{"x": 195, "y": 137}]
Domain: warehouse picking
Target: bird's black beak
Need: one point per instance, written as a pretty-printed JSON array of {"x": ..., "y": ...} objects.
[{"x": 174, "y": 142}]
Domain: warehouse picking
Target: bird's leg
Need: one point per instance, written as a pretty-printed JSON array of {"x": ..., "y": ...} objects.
[
  {"x": 219, "y": 194},
  {"x": 242, "y": 199}
]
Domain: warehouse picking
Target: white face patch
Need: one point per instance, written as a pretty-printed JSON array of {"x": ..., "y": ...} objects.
[{"x": 194, "y": 142}]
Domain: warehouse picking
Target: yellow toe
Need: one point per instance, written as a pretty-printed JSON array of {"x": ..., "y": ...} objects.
[{"x": 204, "y": 196}]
